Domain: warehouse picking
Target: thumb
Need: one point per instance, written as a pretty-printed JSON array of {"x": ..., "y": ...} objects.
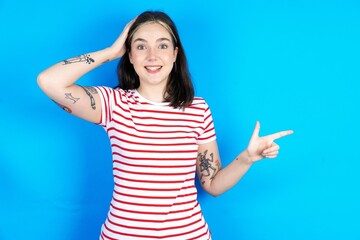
[{"x": 256, "y": 130}]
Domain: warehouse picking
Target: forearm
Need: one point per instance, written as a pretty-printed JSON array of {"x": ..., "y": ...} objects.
[
  {"x": 67, "y": 72},
  {"x": 227, "y": 177}
]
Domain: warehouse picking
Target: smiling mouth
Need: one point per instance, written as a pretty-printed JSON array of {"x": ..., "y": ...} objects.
[{"x": 153, "y": 68}]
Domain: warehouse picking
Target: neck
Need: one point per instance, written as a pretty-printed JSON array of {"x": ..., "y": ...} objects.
[{"x": 153, "y": 93}]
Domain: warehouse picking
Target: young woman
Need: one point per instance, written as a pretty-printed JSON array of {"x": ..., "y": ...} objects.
[{"x": 160, "y": 133}]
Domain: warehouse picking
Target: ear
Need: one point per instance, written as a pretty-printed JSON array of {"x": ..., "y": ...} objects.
[
  {"x": 130, "y": 57},
  {"x": 176, "y": 50}
]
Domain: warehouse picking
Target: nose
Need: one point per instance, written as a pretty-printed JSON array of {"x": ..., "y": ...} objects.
[{"x": 152, "y": 54}]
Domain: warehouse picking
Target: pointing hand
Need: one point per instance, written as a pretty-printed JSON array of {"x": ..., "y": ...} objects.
[{"x": 264, "y": 147}]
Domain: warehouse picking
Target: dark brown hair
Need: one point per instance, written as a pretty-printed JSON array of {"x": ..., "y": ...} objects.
[{"x": 179, "y": 89}]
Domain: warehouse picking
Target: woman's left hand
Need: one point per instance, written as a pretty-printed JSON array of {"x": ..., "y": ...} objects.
[{"x": 264, "y": 147}]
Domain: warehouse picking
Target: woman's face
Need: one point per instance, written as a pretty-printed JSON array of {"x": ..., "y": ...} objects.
[{"x": 152, "y": 54}]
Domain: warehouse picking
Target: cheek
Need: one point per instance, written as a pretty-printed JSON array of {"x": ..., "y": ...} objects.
[
  {"x": 131, "y": 57},
  {"x": 169, "y": 57},
  {"x": 135, "y": 58}
]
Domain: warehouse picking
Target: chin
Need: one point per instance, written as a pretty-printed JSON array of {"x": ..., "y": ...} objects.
[{"x": 154, "y": 80}]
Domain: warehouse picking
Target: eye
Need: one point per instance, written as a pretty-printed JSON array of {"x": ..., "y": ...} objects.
[
  {"x": 163, "y": 46},
  {"x": 140, "y": 47}
]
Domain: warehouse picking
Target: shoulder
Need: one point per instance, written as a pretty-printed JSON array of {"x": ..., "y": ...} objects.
[
  {"x": 199, "y": 102},
  {"x": 118, "y": 92},
  {"x": 115, "y": 90}
]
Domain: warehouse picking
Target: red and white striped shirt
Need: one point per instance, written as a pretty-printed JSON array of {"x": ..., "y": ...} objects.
[{"x": 154, "y": 148}]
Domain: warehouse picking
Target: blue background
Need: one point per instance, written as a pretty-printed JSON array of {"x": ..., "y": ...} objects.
[{"x": 290, "y": 64}]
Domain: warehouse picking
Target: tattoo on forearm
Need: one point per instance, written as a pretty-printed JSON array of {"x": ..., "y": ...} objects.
[
  {"x": 206, "y": 168},
  {"x": 82, "y": 58},
  {"x": 89, "y": 91},
  {"x": 70, "y": 97},
  {"x": 63, "y": 107}
]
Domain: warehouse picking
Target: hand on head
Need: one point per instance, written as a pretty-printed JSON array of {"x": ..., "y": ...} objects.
[{"x": 119, "y": 46}]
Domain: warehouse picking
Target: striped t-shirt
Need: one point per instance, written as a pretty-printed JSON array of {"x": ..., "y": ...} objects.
[{"x": 154, "y": 149}]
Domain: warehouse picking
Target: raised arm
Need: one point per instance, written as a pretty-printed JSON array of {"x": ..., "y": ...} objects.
[
  {"x": 58, "y": 81},
  {"x": 215, "y": 179}
]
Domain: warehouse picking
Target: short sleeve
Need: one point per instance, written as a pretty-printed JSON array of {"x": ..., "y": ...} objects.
[
  {"x": 208, "y": 135},
  {"x": 107, "y": 103}
]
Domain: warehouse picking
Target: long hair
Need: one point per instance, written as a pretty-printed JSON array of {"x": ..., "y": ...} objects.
[{"x": 179, "y": 91}]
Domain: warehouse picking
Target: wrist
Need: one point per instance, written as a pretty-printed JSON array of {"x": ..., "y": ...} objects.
[
  {"x": 110, "y": 54},
  {"x": 245, "y": 158},
  {"x": 114, "y": 52}
]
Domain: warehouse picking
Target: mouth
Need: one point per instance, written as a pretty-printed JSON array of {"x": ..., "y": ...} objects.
[{"x": 153, "y": 69}]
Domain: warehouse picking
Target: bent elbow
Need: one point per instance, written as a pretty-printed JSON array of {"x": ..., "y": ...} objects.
[
  {"x": 41, "y": 80},
  {"x": 213, "y": 192},
  {"x": 45, "y": 83}
]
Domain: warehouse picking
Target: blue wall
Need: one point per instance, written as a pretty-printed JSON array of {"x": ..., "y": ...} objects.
[{"x": 290, "y": 64}]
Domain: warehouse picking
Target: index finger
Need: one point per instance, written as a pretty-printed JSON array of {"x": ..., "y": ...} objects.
[{"x": 280, "y": 134}]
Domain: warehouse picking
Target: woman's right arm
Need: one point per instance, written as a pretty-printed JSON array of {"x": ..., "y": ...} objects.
[{"x": 58, "y": 81}]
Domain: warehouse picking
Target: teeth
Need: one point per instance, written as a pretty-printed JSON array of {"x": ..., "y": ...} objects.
[{"x": 152, "y": 68}]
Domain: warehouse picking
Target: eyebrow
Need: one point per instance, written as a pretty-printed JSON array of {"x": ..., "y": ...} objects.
[{"x": 158, "y": 40}]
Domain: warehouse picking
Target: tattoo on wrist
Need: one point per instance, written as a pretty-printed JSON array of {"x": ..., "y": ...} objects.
[
  {"x": 206, "y": 168},
  {"x": 70, "y": 97},
  {"x": 82, "y": 58},
  {"x": 89, "y": 91}
]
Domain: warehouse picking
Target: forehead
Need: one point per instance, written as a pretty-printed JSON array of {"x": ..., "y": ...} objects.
[{"x": 151, "y": 31}]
